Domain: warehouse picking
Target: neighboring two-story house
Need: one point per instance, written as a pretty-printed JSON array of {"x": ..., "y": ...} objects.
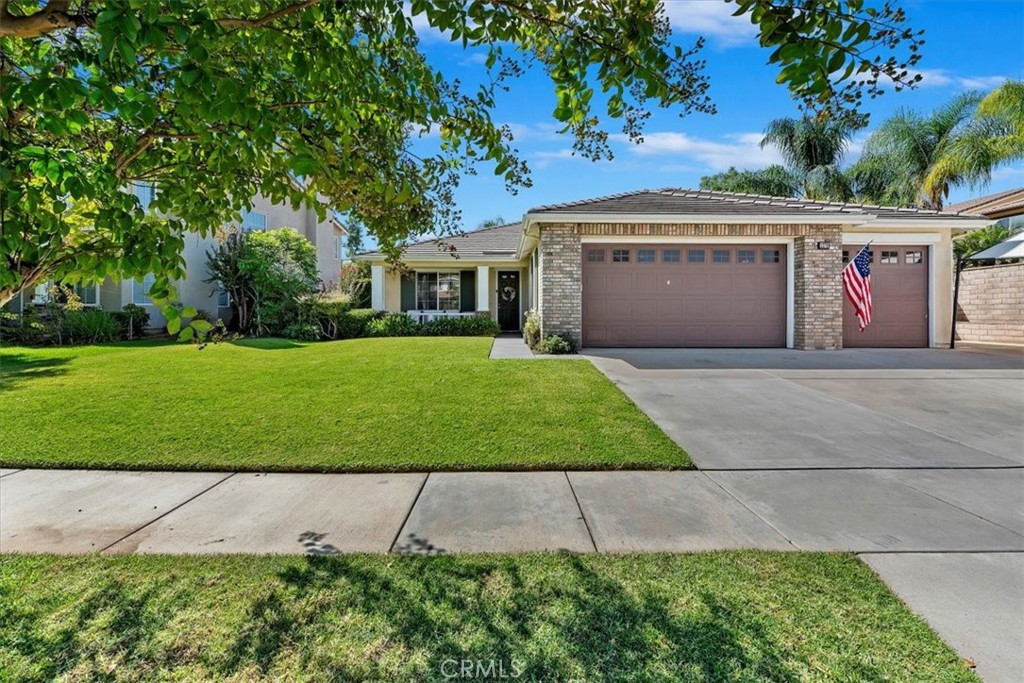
[{"x": 328, "y": 236}]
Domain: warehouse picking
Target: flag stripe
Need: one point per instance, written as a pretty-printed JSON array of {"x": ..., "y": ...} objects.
[{"x": 857, "y": 285}]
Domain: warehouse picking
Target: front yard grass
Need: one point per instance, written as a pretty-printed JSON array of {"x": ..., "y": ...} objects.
[
  {"x": 357, "y": 405},
  {"x": 739, "y": 616}
]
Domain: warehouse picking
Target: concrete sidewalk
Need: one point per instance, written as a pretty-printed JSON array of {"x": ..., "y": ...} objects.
[
  {"x": 952, "y": 552},
  {"x": 81, "y": 511}
]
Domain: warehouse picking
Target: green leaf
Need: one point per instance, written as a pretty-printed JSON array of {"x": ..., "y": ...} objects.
[
  {"x": 201, "y": 326},
  {"x": 189, "y": 312},
  {"x": 173, "y": 325}
]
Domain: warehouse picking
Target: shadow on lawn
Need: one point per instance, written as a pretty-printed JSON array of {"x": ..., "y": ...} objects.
[
  {"x": 16, "y": 369},
  {"x": 267, "y": 343},
  {"x": 400, "y": 618}
]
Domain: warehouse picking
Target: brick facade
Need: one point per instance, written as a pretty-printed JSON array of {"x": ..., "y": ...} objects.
[
  {"x": 561, "y": 281},
  {"x": 818, "y": 290},
  {"x": 818, "y": 318},
  {"x": 991, "y": 304}
]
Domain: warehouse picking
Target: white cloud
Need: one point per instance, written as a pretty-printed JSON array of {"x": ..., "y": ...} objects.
[
  {"x": 741, "y": 150},
  {"x": 942, "y": 78},
  {"x": 710, "y": 18},
  {"x": 424, "y": 30}
]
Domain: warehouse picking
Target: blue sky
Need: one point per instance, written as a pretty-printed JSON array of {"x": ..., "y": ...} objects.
[{"x": 969, "y": 44}]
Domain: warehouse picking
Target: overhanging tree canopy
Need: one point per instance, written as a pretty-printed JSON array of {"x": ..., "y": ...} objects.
[{"x": 215, "y": 101}]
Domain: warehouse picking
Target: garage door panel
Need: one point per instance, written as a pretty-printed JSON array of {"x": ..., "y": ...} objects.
[
  {"x": 724, "y": 303},
  {"x": 899, "y": 296}
]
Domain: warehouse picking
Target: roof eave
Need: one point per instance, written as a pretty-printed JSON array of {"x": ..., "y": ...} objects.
[{"x": 665, "y": 218}]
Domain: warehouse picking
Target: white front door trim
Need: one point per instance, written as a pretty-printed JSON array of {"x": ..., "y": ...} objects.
[{"x": 483, "y": 289}]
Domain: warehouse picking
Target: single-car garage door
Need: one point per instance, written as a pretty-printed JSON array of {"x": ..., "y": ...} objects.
[
  {"x": 700, "y": 295},
  {"x": 899, "y": 298}
]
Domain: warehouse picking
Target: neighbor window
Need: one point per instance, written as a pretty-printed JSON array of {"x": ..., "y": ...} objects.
[
  {"x": 89, "y": 294},
  {"x": 223, "y": 296},
  {"x": 770, "y": 256},
  {"x": 145, "y": 192},
  {"x": 339, "y": 247},
  {"x": 620, "y": 255},
  {"x": 695, "y": 256},
  {"x": 253, "y": 220},
  {"x": 595, "y": 255},
  {"x": 437, "y": 291},
  {"x": 913, "y": 257},
  {"x": 746, "y": 256},
  {"x": 720, "y": 256},
  {"x": 890, "y": 257},
  {"x": 645, "y": 255},
  {"x": 140, "y": 290},
  {"x": 670, "y": 256},
  {"x": 846, "y": 256}
]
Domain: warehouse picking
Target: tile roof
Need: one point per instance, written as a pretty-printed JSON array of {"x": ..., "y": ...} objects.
[
  {"x": 672, "y": 201},
  {"x": 1007, "y": 202},
  {"x": 497, "y": 243}
]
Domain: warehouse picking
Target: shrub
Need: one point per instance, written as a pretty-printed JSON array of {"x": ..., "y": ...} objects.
[
  {"x": 462, "y": 327},
  {"x": 91, "y": 326},
  {"x": 354, "y": 280},
  {"x": 352, "y": 324},
  {"x": 133, "y": 321},
  {"x": 266, "y": 274},
  {"x": 302, "y": 332},
  {"x": 393, "y": 325},
  {"x": 25, "y": 329},
  {"x": 324, "y": 311},
  {"x": 531, "y": 329},
  {"x": 555, "y": 344}
]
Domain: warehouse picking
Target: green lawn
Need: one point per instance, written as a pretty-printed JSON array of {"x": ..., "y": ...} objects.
[
  {"x": 358, "y": 405},
  {"x": 741, "y": 616}
]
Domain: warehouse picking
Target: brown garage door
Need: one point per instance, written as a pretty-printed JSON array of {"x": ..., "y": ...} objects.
[
  {"x": 701, "y": 295},
  {"x": 899, "y": 297}
]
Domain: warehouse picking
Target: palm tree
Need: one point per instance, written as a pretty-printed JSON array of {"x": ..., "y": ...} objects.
[
  {"x": 903, "y": 162},
  {"x": 994, "y": 136},
  {"x": 813, "y": 148}
]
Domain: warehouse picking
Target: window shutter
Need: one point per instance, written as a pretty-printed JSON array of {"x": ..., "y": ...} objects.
[
  {"x": 408, "y": 292},
  {"x": 467, "y": 291}
]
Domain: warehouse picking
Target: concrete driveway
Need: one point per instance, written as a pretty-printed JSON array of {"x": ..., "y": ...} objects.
[{"x": 781, "y": 409}]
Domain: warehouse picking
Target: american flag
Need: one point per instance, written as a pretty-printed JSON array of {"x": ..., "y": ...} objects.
[{"x": 857, "y": 284}]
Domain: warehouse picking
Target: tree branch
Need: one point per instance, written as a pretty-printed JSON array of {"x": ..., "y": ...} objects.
[
  {"x": 266, "y": 19},
  {"x": 53, "y": 17}
]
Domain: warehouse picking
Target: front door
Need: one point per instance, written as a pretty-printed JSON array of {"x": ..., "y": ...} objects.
[{"x": 508, "y": 300}]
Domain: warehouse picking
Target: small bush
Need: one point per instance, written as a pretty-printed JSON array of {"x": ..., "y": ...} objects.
[
  {"x": 531, "y": 329},
  {"x": 302, "y": 332},
  {"x": 91, "y": 326},
  {"x": 133, "y": 321},
  {"x": 554, "y": 344},
  {"x": 352, "y": 324},
  {"x": 393, "y": 325},
  {"x": 25, "y": 329},
  {"x": 325, "y": 310},
  {"x": 462, "y": 327}
]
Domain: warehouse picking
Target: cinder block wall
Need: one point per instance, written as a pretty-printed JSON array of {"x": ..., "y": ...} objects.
[
  {"x": 991, "y": 304},
  {"x": 818, "y": 316}
]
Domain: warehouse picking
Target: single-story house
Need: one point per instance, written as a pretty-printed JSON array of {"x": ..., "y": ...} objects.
[{"x": 691, "y": 268}]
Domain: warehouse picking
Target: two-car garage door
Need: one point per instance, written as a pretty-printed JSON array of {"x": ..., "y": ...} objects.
[
  {"x": 734, "y": 295},
  {"x": 700, "y": 295}
]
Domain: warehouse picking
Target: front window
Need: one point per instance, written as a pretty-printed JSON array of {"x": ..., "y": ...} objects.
[
  {"x": 438, "y": 291},
  {"x": 140, "y": 290},
  {"x": 253, "y": 220}
]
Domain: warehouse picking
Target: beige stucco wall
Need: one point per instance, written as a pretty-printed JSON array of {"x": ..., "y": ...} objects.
[{"x": 192, "y": 291}]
